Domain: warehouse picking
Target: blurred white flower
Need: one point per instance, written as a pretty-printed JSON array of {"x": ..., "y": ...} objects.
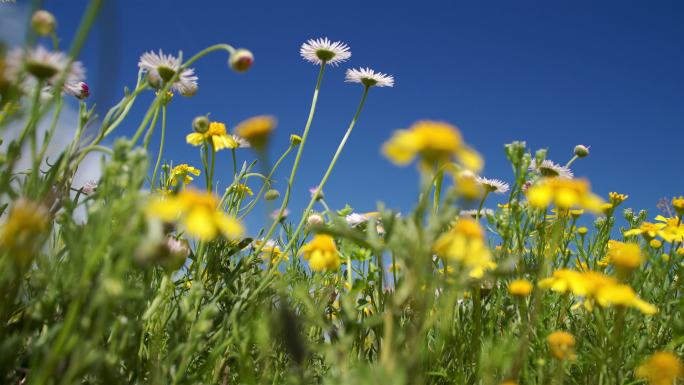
[{"x": 161, "y": 68}]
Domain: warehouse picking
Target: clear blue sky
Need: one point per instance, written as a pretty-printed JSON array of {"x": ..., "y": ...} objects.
[{"x": 609, "y": 74}]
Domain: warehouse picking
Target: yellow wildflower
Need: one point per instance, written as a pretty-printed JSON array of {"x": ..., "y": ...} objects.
[
  {"x": 465, "y": 243},
  {"x": 662, "y": 368},
  {"x": 625, "y": 256},
  {"x": 582, "y": 230},
  {"x": 562, "y": 345},
  {"x": 183, "y": 173},
  {"x": 321, "y": 253},
  {"x": 215, "y": 135},
  {"x": 436, "y": 143},
  {"x": 654, "y": 243},
  {"x": 270, "y": 250},
  {"x": 647, "y": 229},
  {"x": 616, "y": 199},
  {"x": 520, "y": 288},
  {"x": 678, "y": 204},
  {"x": 199, "y": 214},
  {"x": 623, "y": 295},
  {"x": 256, "y": 130},
  {"x": 27, "y": 225},
  {"x": 564, "y": 193},
  {"x": 673, "y": 230},
  {"x": 242, "y": 189}
]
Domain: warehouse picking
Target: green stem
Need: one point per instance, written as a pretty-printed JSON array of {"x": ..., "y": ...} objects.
[
  {"x": 438, "y": 190},
  {"x": 293, "y": 173},
  {"x": 329, "y": 170},
  {"x": 161, "y": 147},
  {"x": 267, "y": 182},
  {"x": 479, "y": 208}
]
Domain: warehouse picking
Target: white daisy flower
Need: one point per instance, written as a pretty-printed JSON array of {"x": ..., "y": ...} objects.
[
  {"x": 241, "y": 142},
  {"x": 162, "y": 68},
  {"x": 493, "y": 185},
  {"x": 551, "y": 169},
  {"x": 473, "y": 213},
  {"x": 320, "y": 51},
  {"x": 369, "y": 77},
  {"x": 355, "y": 219},
  {"x": 48, "y": 66}
]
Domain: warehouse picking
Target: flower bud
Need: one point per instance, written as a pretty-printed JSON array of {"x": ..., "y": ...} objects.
[
  {"x": 241, "y": 60},
  {"x": 295, "y": 140},
  {"x": 43, "y": 22},
  {"x": 200, "y": 124},
  {"x": 272, "y": 195},
  {"x": 314, "y": 219},
  {"x": 581, "y": 151}
]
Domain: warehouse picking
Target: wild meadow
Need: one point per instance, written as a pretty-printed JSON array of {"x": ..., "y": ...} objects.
[{"x": 149, "y": 274}]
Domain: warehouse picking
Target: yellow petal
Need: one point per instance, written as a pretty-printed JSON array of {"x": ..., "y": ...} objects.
[{"x": 199, "y": 223}]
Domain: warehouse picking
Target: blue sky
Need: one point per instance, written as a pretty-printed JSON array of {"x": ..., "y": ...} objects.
[{"x": 609, "y": 74}]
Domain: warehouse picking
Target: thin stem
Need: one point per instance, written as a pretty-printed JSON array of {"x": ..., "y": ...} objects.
[
  {"x": 329, "y": 170},
  {"x": 267, "y": 182},
  {"x": 293, "y": 173},
  {"x": 161, "y": 147}
]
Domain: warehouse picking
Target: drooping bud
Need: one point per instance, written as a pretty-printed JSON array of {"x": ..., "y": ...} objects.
[
  {"x": 200, "y": 124},
  {"x": 241, "y": 60},
  {"x": 272, "y": 194},
  {"x": 314, "y": 219},
  {"x": 295, "y": 140},
  {"x": 43, "y": 22},
  {"x": 581, "y": 151}
]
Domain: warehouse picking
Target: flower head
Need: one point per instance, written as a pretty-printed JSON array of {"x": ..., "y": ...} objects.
[
  {"x": 161, "y": 68},
  {"x": 550, "y": 169},
  {"x": 241, "y": 60},
  {"x": 436, "y": 143},
  {"x": 321, "y": 253},
  {"x": 493, "y": 185},
  {"x": 271, "y": 251},
  {"x": 48, "y": 66},
  {"x": 215, "y": 135},
  {"x": 277, "y": 216},
  {"x": 566, "y": 194},
  {"x": 625, "y": 256},
  {"x": 520, "y": 288},
  {"x": 323, "y": 51},
  {"x": 43, "y": 22},
  {"x": 616, "y": 199},
  {"x": 256, "y": 130},
  {"x": 355, "y": 219},
  {"x": 562, "y": 345},
  {"x": 369, "y": 77},
  {"x": 662, "y": 368},
  {"x": 198, "y": 213},
  {"x": 27, "y": 223},
  {"x": 465, "y": 243},
  {"x": 678, "y": 204},
  {"x": 182, "y": 173}
]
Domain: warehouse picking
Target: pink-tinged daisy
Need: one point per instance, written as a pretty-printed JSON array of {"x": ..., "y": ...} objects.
[
  {"x": 162, "y": 68},
  {"x": 550, "y": 169},
  {"x": 48, "y": 66},
  {"x": 493, "y": 185},
  {"x": 323, "y": 51},
  {"x": 275, "y": 215},
  {"x": 369, "y": 77}
]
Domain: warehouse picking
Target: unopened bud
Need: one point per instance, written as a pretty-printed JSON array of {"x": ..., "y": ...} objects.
[
  {"x": 43, "y": 22},
  {"x": 581, "y": 151},
  {"x": 314, "y": 219},
  {"x": 295, "y": 140},
  {"x": 200, "y": 124},
  {"x": 272, "y": 194},
  {"x": 241, "y": 60}
]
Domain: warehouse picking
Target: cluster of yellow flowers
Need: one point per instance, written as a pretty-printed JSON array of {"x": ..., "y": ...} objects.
[
  {"x": 321, "y": 253},
  {"x": 197, "y": 212},
  {"x": 465, "y": 243},
  {"x": 182, "y": 173},
  {"x": 437, "y": 143},
  {"x": 596, "y": 287}
]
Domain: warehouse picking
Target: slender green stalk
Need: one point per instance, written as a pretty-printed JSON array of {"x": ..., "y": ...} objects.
[
  {"x": 161, "y": 147},
  {"x": 295, "y": 166},
  {"x": 267, "y": 182},
  {"x": 305, "y": 215}
]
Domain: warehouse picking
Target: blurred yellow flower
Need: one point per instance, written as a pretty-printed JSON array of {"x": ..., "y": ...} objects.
[
  {"x": 465, "y": 243},
  {"x": 271, "y": 251},
  {"x": 242, "y": 189},
  {"x": 647, "y": 229},
  {"x": 624, "y": 256},
  {"x": 662, "y": 368},
  {"x": 26, "y": 226},
  {"x": 562, "y": 345},
  {"x": 565, "y": 194},
  {"x": 436, "y": 143},
  {"x": 182, "y": 173},
  {"x": 215, "y": 135},
  {"x": 673, "y": 230},
  {"x": 678, "y": 204},
  {"x": 623, "y": 295},
  {"x": 256, "y": 130},
  {"x": 520, "y": 287},
  {"x": 321, "y": 253},
  {"x": 198, "y": 212}
]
